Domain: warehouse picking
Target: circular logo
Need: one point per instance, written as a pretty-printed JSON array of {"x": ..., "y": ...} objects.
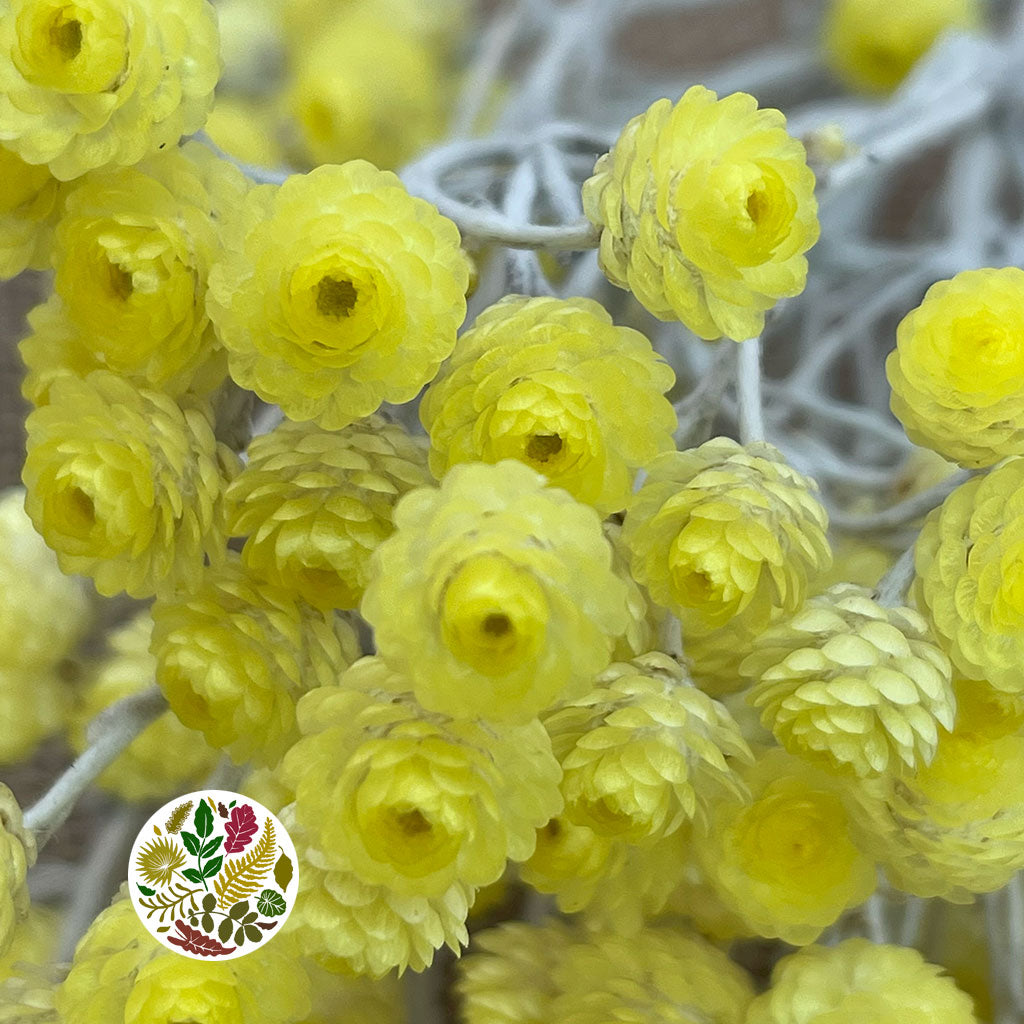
[{"x": 213, "y": 875}]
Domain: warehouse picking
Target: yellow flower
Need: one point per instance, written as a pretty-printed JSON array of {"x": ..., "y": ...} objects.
[
  {"x": 269, "y": 986},
  {"x": 660, "y": 974},
  {"x": 126, "y": 486},
  {"x": 244, "y": 128},
  {"x": 507, "y": 978},
  {"x": 858, "y": 981},
  {"x": 956, "y": 827},
  {"x": 706, "y": 208},
  {"x": 34, "y": 704},
  {"x": 852, "y": 684},
  {"x": 495, "y": 596},
  {"x": 786, "y": 864},
  {"x": 144, "y": 770},
  {"x": 43, "y": 613},
  {"x": 314, "y": 504},
  {"x": 131, "y": 255},
  {"x": 29, "y": 208},
  {"x": 363, "y": 86},
  {"x": 350, "y": 926},
  {"x": 17, "y": 855},
  {"x": 101, "y": 83},
  {"x": 873, "y": 44},
  {"x": 346, "y": 292},
  {"x": 644, "y": 751},
  {"x": 970, "y": 576},
  {"x": 855, "y": 560},
  {"x": 234, "y": 657},
  {"x": 412, "y": 800},
  {"x": 617, "y": 885},
  {"x": 555, "y": 384},
  {"x": 121, "y": 973},
  {"x": 726, "y": 534},
  {"x": 957, "y": 372}
]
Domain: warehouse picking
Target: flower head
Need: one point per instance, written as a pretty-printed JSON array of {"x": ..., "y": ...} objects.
[
  {"x": 873, "y": 44},
  {"x": 120, "y": 972},
  {"x": 706, "y": 208},
  {"x": 858, "y": 981},
  {"x": 553, "y": 383},
  {"x": 957, "y": 372},
  {"x": 131, "y": 258},
  {"x": 726, "y": 534},
  {"x": 970, "y": 576},
  {"x": 99, "y": 83},
  {"x": 314, "y": 504},
  {"x": 851, "y": 683},
  {"x": 644, "y": 751},
  {"x": 345, "y": 292},
  {"x": 956, "y": 827},
  {"x": 234, "y": 657},
  {"x": 413, "y": 800},
  {"x": 126, "y": 486},
  {"x": 384, "y": 101},
  {"x": 495, "y": 596},
  {"x": 785, "y": 863}
]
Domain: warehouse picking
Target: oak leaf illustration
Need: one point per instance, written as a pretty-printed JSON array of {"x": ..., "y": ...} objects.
[
  {"x": 244, "y": 876},
  {"x": 194, "y": 941},
  {"x": 240, "y": 829}
]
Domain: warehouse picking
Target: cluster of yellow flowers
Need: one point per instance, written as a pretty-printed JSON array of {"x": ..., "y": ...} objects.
[{"x": 538, "y": 642}]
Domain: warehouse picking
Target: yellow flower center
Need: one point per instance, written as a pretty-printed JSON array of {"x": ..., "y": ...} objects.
[
  {"x": 493, "y": 615},
  {"x": 701, "y": 570},
  {"x": 70, "y": 47},
  {"x": 409, "y": 838},
  {"x": 334, "y": 307},
  {"x": 793, "y": 839},
  {"x": 986, "y": 353}
]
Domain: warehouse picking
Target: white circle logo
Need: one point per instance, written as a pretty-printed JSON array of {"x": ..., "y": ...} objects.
[{"x": 213, "y": 875}]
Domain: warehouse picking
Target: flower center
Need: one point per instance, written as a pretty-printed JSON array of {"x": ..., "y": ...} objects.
[
  {"x": 542, "y": 447},
  {"x": 335, "y": 298},
  {"x": 493, "y": 615},
  {"x": 121, "y": 282},
  {"x": 66, "y": 36}
]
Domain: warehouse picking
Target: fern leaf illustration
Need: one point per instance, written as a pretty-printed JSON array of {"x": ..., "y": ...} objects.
[
  {"x": 177, "y": 818},
  {"x": 172, "y": 901},
  {"x": 242, "y": 876}
]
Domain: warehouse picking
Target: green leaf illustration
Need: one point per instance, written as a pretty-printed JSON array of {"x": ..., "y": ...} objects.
[
  {"x": 164, "y": 928},
  {"x": 271, "y": 904},
  {"x": 203, "y": 820},
  {"x": 240, "y": 937},
  {"x": 246, "y": 875},
  {"x": 211, "y": 847},
  {"x": 191, "y": 842},
  {"x": 283, "y": 871},
  {"x": 211, "y": 867},
  {"x": 145, "y": 891},
  {"x": 192, "y": 875},
  {"x": 253, "y": 934},
  {"x": 207, "y": 923},
  {"x": 177, "y": 901},
  {"x": 224, "y": 931},
  {"x": 239, "y": 910},
  {"x": 209, "y": 902}
]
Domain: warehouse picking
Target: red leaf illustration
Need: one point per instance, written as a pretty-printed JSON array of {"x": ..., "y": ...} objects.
[
  {"x": 240, "y": 829},
  {"x": 192, "y": 940}
]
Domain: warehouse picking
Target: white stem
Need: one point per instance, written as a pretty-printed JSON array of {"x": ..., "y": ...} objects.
[
  {"x": 748, "y": 391},
  {"x": 891, "y": 591},
  {"x": 905, "y": 512},
  {"x": 110, "y": 733},
  {"x": 874, "y": 918}
]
